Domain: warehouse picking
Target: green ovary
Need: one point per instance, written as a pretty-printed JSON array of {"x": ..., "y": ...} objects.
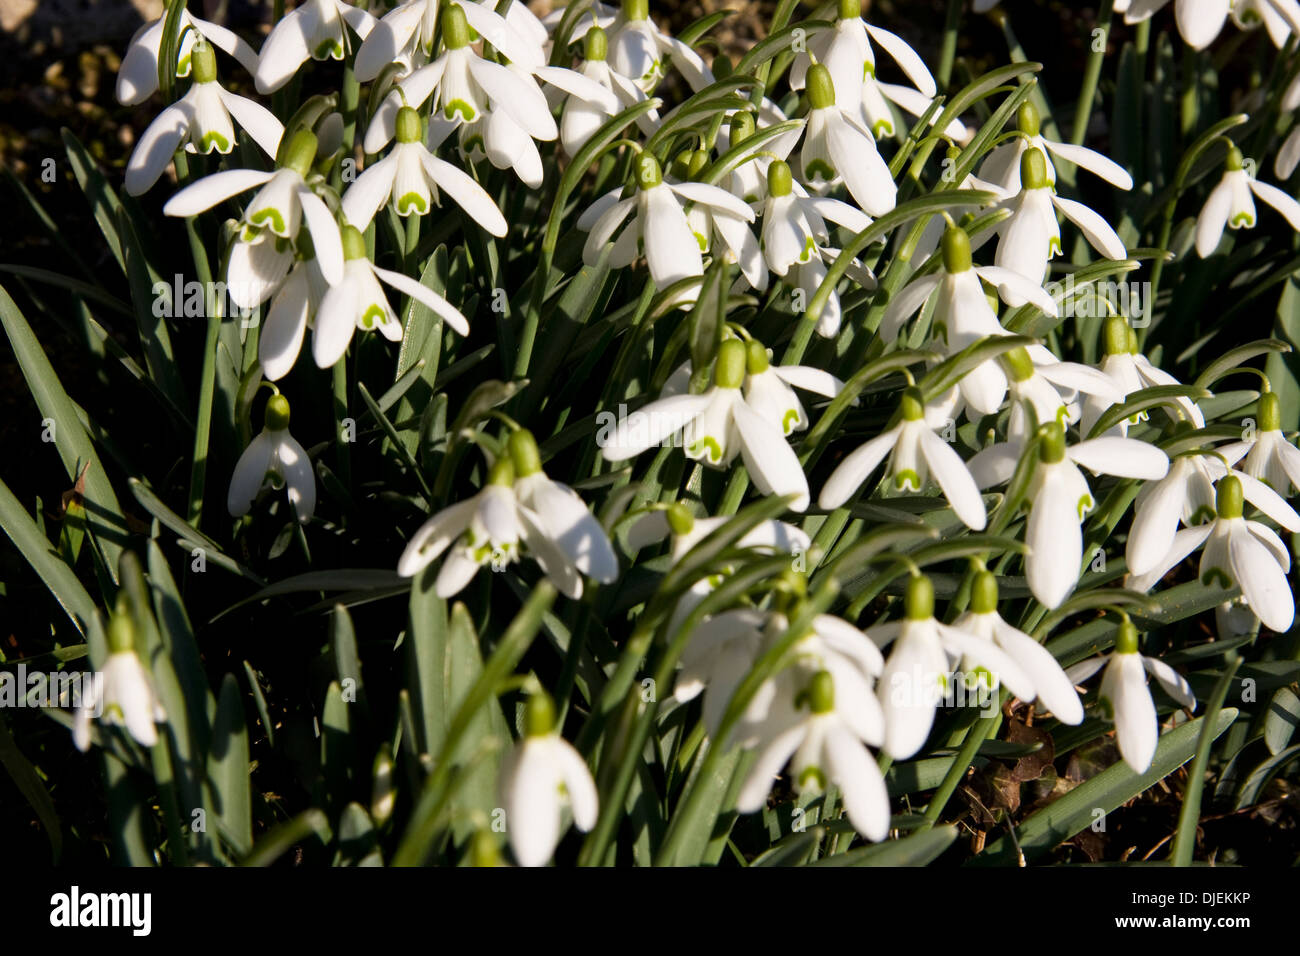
[{"x": 412, "y": 202}]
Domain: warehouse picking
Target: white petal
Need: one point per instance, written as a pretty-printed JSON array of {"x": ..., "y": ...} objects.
[
  {"x": 1262, "y": 582},
  {"x": 324, "y": 235},
  {"x": 671, "y": 249},
  {"x": 210, "y": 190},
  {"x": 369, "y": 191},
  {"x": 772, "y": 463},
  {"x": 1288, "y": 207},
  {"x": 468, "y": 194},
  {"x": 1099, "y": 233},
  {"x": 856, "y": 468},
  {"x": 577, "y": 781},
  {"x": 1055, "y": 541},
  {"x": 1213, "y": 218},
  {"x": 284, "y": 51},
  {"x": 259, "y": 122},
  {"x": 427, "y": 297},
  {"x": 1014, "y": 285},
  {"x": 862, "y": 787},
  {"x": 154, "y": 151},
  {"x": 1171, "y": 681},
  {"x": 650, "y": 425},
  {"x": 1136, "y": 727},
  {"x": 753, "y": 794},
  {"x": 1093, "y": 161},
  {"x": 902, "y": 306},
  {"x": 250, "y": 472},
  {"x": 1054, "y": 688},
  {"x": 907, "y": 58},
  {"x": 1122, "y": 457},
  {"x": 958, "y": 486}
]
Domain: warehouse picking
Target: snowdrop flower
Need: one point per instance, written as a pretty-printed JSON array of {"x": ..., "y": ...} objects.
[
  {"x": 122, "y": 693},
  {"x": 1231, "y": 205},
  {"x": 962, "y": 314},
  {"x": 1187, "y": 494},
  {"x": 769, "y": 389},
  {"x": 1131, "y": 371},
  {"x": 847, "y": 53},
  {"x": 1280, "y": 17},
  {"x": 1269, "y": 457},
  {"x": 1031, "y": 236},
  {"x": 685, "y": 531},
  {"x": 824, "y": 747},
  {"x": 540, "y": 775},
  {"x": 137, "y": 77},
  {"x": 402, "y": 33},
  {"x": 716, "y": 427},
  {"x": 795, "y": 238},
  {"x": 1055, "y": 690},
  {"x": 735, "y": 242},
  {"x": 1126, "y": 699},
  {"x": 837, "y": 146},
  {"x": 1035, "y": 377},
  {"x": 293, "y": 307},
  {"x": 580, "y": 117},
  {"x": 201, "y": 116},
  {"x": 274, "y": 458},
  {"x": 490, "y": 527},
  {"x": 465, "y": 86},
  {"x": 917, "y": 673},
  {"x": 659, "y": 228},
  {"x": 312, "y": 31},
  {"x": 284, "y": 202},
  {"x": 915, "y": 454},
  {"x": 637, "y": 47},
  {"x": 1199, "y": 21},
  {"x": 358, "y": 302},
  {"x": 412, "y": 176},
  {"x": 1002, "y": 167},
  {"x": 1059, "y": 499},
  {"x": 1288, "y": 155},
  {"x": 1238, "y": 553}
]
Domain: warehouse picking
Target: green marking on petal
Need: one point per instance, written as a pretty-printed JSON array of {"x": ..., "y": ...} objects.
[
  {"x": 183, "y": 66},
  {"x": 809, "y": 250},
  {"x": 882, "y": 128},
  {"x": 270, "y": 217},
  {"x": 1202, "y": 514},
  {"x": 412, "y": 202},
  {"x": 1085, "y": 505},
  {"x": 329, "y": 50},
  {"x": 1053, "y": 248},
  {"x": 790, "y": 420},
  {"x": 373, "y": 316},
  {"x": 907, "y": 479},
  {"x": 460, "y": 106},
  {"x": 273, "y": 479},
  {"x": 819, "y": 169},
  {"x": 213, "y": 140},
  {"x": 1243, "y": 219},
  {"x": 1217, "y": 574},
  {"x": 710, "y": 447},
  {"x": 703, "y": 241},
  {"x": 812, "y": 776}
]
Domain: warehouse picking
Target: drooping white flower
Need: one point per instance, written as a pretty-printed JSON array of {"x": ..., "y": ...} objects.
[
  {"x": 359, "y": 302},
  {"x": 962, "y": 313},
  {"x": 1281, "y": 18},
  {"x": 1031, "y": 237},
  {"x": 274, "y": 458},
  {"x": 467, "y": 87},
  {"x": 1054, "y": 689},
  {"x": 825, "y": 745},
  {"x": 538, "y": 777},
  {"x": 202, "y": 119},
  {"x": 1238, "y": 553},
  {"x": 313, "y": 30},
  {"x": 659, "y": 229},
  {"x": 283, "y": 204},
  {"x": 412, "y": 178},
  {"x": 1269, "y": 457},
  {"x": 406, "y": 31},
  {"x": 1200, "y": 21},
  {"x": 121, "y": 694},
  {"x": 1059, "y": 499},
  {"x": 1132, "y": 372},
  {"x": 916, "y": 453},
  {"x": 495, "y": 526},
  {"x": 721, "y": 232},
  {"x": 1230, "y": 204},
  {"x": 795, "y": 239},
  {"x": 581, "y": 116},
  {"x": 1126, "y": 698},
  {"x": 137, "y": 77},
  {"x": 847, "y": 53},
  {"x": 1002, "y": 166},
  {"x": 637, "y": 47},
  {"x": 918, "y": 672},
  {"x": 716, "y": 427},
  {"x": 836, "y": 146},
  {"x": 293, "y": 307}
]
